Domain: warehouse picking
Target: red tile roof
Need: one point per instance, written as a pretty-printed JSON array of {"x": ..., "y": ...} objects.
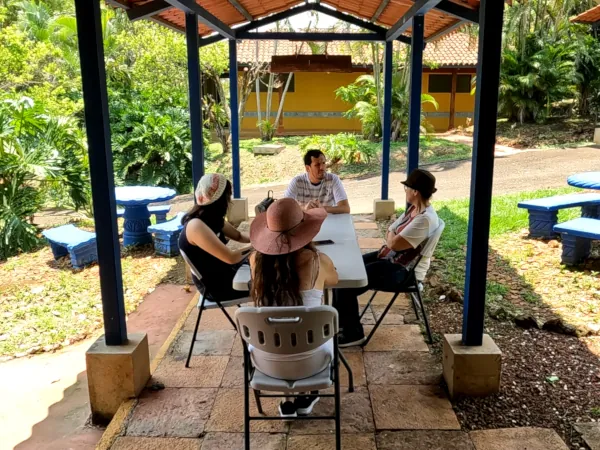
[
  {"x": 456, "y": 49},
  {"x": 435, "y": 20},
  {"x": 590, "y": 16}
]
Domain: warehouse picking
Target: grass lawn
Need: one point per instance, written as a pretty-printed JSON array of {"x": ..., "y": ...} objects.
[
  {"x": 262, "y": 169},
  {"x": 46, "y": 304},
  {"x": 524, "y": 274}
]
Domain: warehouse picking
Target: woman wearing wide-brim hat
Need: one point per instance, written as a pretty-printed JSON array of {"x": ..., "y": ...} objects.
[
  {"x": 388, "y": 267},
  {"x": 287, "y": 270},
  {"x": 204, "y": 238}
]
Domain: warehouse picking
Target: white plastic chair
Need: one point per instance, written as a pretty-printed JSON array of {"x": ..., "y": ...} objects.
[
  {"x": 413, "y": 285},
  {"x": 207, "y": 301},
  {"x": 287, "y": 331}
]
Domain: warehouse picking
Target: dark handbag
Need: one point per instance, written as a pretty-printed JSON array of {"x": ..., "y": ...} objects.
[{"x": 264, "y": 205}]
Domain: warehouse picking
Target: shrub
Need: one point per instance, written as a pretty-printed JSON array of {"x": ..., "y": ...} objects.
[{"x": 345, "y": 148}]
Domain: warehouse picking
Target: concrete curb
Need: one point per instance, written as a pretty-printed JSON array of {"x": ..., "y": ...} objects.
[{"x": 116, "y": 427}]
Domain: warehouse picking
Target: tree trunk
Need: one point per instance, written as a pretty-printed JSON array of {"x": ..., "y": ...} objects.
[{"x": 282, "y": 100}]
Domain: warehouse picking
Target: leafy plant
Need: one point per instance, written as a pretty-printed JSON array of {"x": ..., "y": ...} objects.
[
  {"x": 267, "y": 130},
  {"x": 35, "y": 150},
  {"x": 339, "y": 148}
]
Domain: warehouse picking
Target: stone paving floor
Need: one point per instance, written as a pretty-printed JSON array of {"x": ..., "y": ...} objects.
[{"x": 398, "y": 403}]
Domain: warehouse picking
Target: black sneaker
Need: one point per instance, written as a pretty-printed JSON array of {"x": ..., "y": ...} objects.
[
  {"x": 304, "y": 405},
  {"x": 287, "y": 409},
  {"x": 350, "y": 339}
]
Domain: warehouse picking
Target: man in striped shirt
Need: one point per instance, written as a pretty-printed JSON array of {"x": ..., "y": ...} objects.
[{"x": 317, "y": 188}]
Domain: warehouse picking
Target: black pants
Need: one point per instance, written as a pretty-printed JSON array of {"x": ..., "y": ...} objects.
[{"x": 383, "y": 275}]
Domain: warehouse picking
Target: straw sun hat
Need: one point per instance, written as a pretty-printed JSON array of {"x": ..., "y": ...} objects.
[{"x": 285, "y": 227}]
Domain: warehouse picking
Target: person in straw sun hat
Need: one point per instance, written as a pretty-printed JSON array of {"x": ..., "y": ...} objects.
[
  {"x": 204, "y": 238},
  {"x": 287, "y": 270}
]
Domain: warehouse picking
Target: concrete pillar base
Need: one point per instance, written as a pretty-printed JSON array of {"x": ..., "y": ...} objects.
[
  {"x": 597, "y": 136},
  {"x": 383, "y": 209},
  {"x": 471, "y": 371},
  {"x": 238, "y": 211},
  {"x": 116, "y": 373}
]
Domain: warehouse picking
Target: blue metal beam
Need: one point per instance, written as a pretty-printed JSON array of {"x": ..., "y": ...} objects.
[
  {"x": 419, "y": 8},
  {"x": 95, "y": 100},
  {"x": 234, "y": 124},
  {"x": 482, "y": 171},
  {"x": 190, "y": 6},
  {"x": 444, "y": 31},
  {"x": 240, "y": 8},
  {"x": 380, "y": 10},
  {"x": 416, "y": 82},
  {"x": 147, "y": 10},
  {"x": 387, "y": 118},
  {"x": 261, "y": 22},
  {"x": 458, "y": 11},
  {"x": 195, "y": 97},
  {"x": 316, "y": 36}
]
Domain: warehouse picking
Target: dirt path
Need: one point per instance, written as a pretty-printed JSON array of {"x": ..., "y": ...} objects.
[{"x": 513, "y": 172}]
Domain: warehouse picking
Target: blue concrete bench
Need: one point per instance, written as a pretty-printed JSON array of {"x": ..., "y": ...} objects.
[
  {"x": 166, "y": 236},
  {"x": 577, "y": 237},
  {"x": 79, "y": 244},
  {"x": 159, "y": 211},
  {"x": 543, "y": 212}
]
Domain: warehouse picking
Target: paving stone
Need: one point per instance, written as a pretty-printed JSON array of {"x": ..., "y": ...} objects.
[
  {"x": 208, "y": 342},
  {"x": 590, "y": 433},
  {"x": 228, "y": 414},
  {"x": 212, "y": 319},
  {"x": 395, "y": 316},
  {"x": 144, "y": 443},
  {"x": 365, "y": 226},
  {"x": 517, "y": 439},
  {"x": 172, "y": 412},
  {"x": 370, "y": 243},
  {"x": 235, "y": 441},
  {"x": 204, "y": 371},
  {"x": 383, "y": 298},
  {"x": 424, "y": 440},
  {"x": 406, "y": 338},
  {"x": 368, "y": 318},
  {"x": 237, "y": 349},
  {"x": 357, "y": 416},
  {"x": 234, "y": 375},
  {"x": 357, "y": 364},
  {"x": 327, "y": 442},
  {"x": 368, "y": 233},
  {"x": 402, "y": 368},
  {"x": 412, "y": 408}
]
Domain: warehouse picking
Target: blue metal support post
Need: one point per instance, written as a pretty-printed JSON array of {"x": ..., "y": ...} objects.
[
  {"x": 387, "y": 118},
  {"x": 234, "y": 126},
  {"x": 195, "y": 96},
  {"x": 95, "y": 98},
  {"x": 416, "y": 84},
  {"x": 486, "y": 112}
]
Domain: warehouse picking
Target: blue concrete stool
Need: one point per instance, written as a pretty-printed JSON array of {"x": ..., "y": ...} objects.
[
  {"x": 159, "y": 211},
  {"x": 543, "y": 212},
  {"x": 166, "y": 236},
  {"x": 79, "y": 244},
  {"x": 577, "y": 237}
]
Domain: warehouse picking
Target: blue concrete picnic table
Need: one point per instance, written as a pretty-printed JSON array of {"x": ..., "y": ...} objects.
[
  {"x": 585, "y": 180},
  {"x": 136, "y": 199}
]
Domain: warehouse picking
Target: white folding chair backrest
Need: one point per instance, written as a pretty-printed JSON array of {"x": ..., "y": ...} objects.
[
  {"x": 427, "y": 251},
  {"x": 287, "y": 330},
  {"x": 189, "y": 263}
]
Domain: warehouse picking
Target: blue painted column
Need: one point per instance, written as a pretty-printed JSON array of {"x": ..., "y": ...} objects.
[
  {"x": 195, "y": 96},
  {"x": 387, "y": 119},
  {"x": 416, "y": 85},
  {"x": 95, "y": 98},
  {"x": 234, "y": 126},
  {"x": 486, "y": 113}
]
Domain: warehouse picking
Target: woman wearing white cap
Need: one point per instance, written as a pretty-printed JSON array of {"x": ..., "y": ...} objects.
[{"x": 204, "y": 234}]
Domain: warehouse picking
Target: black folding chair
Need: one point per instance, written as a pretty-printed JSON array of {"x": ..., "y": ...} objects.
[
  {"x": 287, "y": 331},
  {"x": 412, "y": 286},
  {"x": 206, "y": 301}
]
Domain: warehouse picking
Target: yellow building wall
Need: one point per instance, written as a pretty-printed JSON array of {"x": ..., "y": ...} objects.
[
  {"x": 313, "y": 106},
  {"x": 314, "y": 92}
]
